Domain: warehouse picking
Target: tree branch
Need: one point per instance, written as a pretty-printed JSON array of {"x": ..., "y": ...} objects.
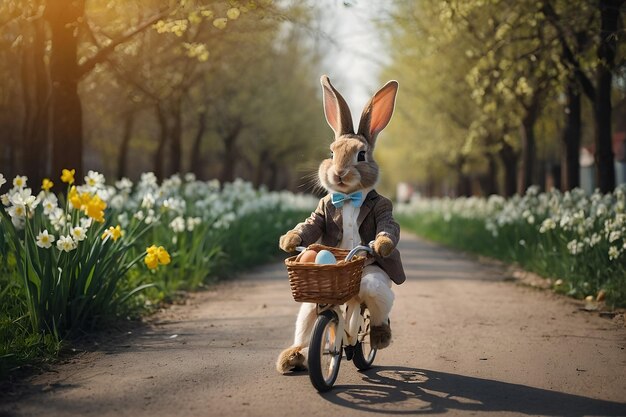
[
  {"x": 569, "y": 56},
  {"x": 103, "y": 53}
]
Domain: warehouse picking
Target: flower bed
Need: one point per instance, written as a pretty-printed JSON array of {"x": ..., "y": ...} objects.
[
  {"x": 70, "y": 261},
  {"x": 576, "y": 239}
]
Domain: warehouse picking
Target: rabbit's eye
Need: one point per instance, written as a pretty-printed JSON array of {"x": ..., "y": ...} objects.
[{"x": 361, "y": 156}]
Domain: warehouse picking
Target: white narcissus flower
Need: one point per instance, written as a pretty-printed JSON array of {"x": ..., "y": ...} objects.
[
  {"x": 192, "y": 222},
  {"x": 4, "y": 198},
  {"x": 150, "y": 217},
  {"x": 66, "y": 243},
  {"x": 94, "y": 180},
  {"x": 49, "y": 204},
  {"x": 2, "y": 180},
  {"x": 124, "y": 185},
  {"x": 85, "y": 222},
  {"x": 613, "y": 253},
  {"x": 20, "y": 181},
  {"x": 78, "y": 233},
  {"x": 44, "y": 240},
  {"x": 147, "y": 201},
  {"x": 57, "y": 218},
  {"x": 148, "y": 180},
  {"x": 24, "y": 197},
  {"x": 17, "y": 212},
  {"x": 178, "y": 225}
]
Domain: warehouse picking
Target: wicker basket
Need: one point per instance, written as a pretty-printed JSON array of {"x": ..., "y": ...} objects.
[{"x": 325, "y": 284}]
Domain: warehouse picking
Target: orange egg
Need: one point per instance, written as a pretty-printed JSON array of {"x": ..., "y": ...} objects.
[{"x": 307, "y": 257}]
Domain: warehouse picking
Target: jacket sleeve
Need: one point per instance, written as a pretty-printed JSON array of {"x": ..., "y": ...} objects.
[
  {"x": 312, "y": 228},
  {"x": 385, "y": 223}
]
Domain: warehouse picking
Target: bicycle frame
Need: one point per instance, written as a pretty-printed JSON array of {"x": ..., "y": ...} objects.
[
  {"x": 351, "y": 314},
  {"x": 349, "y": 320}
]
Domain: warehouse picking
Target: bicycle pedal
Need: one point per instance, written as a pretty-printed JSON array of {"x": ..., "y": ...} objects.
[{"x": 349, "y": 350}]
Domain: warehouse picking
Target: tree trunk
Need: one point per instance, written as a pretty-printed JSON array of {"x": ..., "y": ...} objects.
[
  {"x": 609, "y": 22},
  {"x": 527, "y": 165},
  {"x": 463, "y": 186},
  {"x": 41, "y": 138},
  {"x": 229, "y": 159},
  {"x": 570, "y": 140},
  {"x": 29, "y": 167},
  {"x": 176, "y": 137},
  {"x": 261, "y": 169},
  {"x": 34, "y": 79},
  {"x": 195, "y": 163},
  {"x": 508, "y": 157},
  {"x": 163, "y": 135},
  {"x": 127, "y": 134},
  {"x": 67, "y": 125},
  {"x": 487, "y": 182}
]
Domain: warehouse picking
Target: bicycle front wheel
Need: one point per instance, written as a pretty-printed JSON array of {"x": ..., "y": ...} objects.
[
  {"x": 364, "y": 354},
  {"x": 324, "y": 357}
]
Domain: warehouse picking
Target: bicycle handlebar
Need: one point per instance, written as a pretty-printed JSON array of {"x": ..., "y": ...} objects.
[{"x": 361, "y": 248}]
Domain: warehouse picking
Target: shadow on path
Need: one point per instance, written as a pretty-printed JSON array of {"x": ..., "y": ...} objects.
[{"x": 401, "y": 390}]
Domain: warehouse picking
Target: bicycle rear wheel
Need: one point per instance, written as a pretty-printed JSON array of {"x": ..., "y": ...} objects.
[
  {"x": 364, "y": 355},
  {"x": 324, "y": 358}
]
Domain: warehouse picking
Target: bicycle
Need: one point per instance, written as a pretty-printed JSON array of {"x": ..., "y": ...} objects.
[{"x": 334, "y": 288}]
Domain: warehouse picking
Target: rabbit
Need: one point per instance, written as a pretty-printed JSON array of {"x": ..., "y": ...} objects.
[{"x": 352, "y": 213}]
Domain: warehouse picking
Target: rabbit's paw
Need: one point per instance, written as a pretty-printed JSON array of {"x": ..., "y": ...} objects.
[
  {"x": 289, "y": 241},
  {"x": 291, "y": 359},
  {"x": 383, "y": 246},
  {"x": 380, "y": 336}
]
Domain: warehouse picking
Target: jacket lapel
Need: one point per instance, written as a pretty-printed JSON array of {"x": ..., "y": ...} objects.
[
  {"x": 368, "y": 204},
  {"x": 336, "y": 215}
]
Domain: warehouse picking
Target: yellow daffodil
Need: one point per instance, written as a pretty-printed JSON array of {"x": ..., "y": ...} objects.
[
  {"x": 46, "y": 184},
  {"x": 152, "y": 262},
  {"x": 68, "y": 176},
  {"x": 156, "y": 256},
  {"x": 95, "y": 208},
  {"x": 74, "y": 198},
  {"x": 114, "y": 232},
  {"x": 164, "y": 257}
]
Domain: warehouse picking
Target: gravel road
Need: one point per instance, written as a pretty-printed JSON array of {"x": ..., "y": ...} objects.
[{"x": 467, "y": 341}]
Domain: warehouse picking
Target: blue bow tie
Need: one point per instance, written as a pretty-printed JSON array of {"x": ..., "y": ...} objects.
[{"x": 339, "y": 198}]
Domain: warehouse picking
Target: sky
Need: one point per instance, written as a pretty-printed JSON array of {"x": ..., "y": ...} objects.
[{"x": 355, "y": 57}]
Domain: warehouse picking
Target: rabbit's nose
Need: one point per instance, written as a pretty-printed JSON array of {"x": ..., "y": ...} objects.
[{"x": 341, "y": 172}]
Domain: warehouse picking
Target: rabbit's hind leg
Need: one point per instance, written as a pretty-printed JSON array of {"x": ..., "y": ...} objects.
[
  {"x": 291, "y": 359},
  {"x": 376, "y": 293},
  {"x": 294, "y": 357}
]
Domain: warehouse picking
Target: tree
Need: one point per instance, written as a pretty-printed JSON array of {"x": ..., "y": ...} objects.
[
  {"x": 599, "y": 32},
  {"x": 518, "y": 59},
  {"x": 59, "y": 43}
]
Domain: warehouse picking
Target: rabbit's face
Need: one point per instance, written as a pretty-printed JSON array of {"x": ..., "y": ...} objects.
[{"x": 351, "y": 166}]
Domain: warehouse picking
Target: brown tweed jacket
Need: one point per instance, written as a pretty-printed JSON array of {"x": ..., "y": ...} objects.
[{"x": 375, "y": 217}]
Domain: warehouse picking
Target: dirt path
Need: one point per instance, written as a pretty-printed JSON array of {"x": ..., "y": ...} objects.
[{"x": 466, "y": 342}]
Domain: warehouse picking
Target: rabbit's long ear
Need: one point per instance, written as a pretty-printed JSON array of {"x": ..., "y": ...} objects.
[
  {"x": 336, "y": 110},
  {"x": 378, "y": 111}
]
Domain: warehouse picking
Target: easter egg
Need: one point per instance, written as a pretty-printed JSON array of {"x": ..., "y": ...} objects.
[
  {"x": 307, "y": 257},
  {"x": 325, "y": 257}
]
